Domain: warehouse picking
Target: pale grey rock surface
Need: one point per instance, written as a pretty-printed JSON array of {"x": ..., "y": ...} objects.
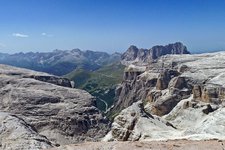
[
  {"x": 188, "y": 120},
  {"x": 147, "y": 145},
  {"x": 187, "y": 91},
  {"x": 134, "y": 124},
  {"x": 16, "y": 134},
  {"x": 41, "y": 76},
  {"x": 137, "y": 81},
  {"x": 64, "y": 115},
  {"x": 203, "y": 70}
]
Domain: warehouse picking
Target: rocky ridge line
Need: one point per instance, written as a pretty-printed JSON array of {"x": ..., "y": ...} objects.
[{"x": 135, "y": 55}]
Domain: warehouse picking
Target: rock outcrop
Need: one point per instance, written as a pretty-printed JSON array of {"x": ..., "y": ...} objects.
[
  {"x": 41, "y": 76},
  {"x": 177, "y": 77},
  {"x": 137, "y": 81},
  {"x": 16, "y": 134},
  {"x": 188, "y": 120},
  {"x": 64, "y": 115},
  {"x": 186, "y": 91},
  {"x": 209, "y": 93},
  {"x": 133, "y": 124}
]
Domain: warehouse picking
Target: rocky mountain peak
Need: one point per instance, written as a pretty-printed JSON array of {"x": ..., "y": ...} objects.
[
  {"x": 176, "y": 48},
  {"x": 133, "y": 54},
  {"x": 130, "y": 54},
  {"x": 75, "y": 50},
  {"x": 133, "y": 48}
]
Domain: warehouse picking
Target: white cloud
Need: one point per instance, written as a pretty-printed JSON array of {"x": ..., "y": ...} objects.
[
  {"x": 20, "y": 35},
  {"x": 46, "y": 34}
]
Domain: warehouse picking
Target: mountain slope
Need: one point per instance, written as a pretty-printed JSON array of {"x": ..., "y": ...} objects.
[
  {"x": 59, "y": 62},
  {"x": 100, "y": 83}
]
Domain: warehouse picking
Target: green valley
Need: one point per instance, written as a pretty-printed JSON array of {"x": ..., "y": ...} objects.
[{"x": 100, "y": 83}]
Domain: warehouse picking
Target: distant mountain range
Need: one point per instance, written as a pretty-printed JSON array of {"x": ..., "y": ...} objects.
[
  {"x": 134, "y": 54},
  {"x": 98, "y": 73},
  {"x": 60, "y": 62}
]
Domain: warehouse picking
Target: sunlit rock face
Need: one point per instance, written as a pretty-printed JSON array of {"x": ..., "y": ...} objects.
[
  {"x": 15, "y": 133},
  {"x": 185, "y": 93},
  {"x": 62, "y": 114},
  {"x": 138, "y": 81}
]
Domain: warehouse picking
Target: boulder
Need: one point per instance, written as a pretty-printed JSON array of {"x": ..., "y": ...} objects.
[
  {"x": 164, "y": 105},
  {"x": 183, "y": 68}
]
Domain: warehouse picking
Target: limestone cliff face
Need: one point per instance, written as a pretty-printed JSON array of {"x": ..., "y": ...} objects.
[
  {"x": 186, "y": 91},
  {"x": 63, "y": 115},
  {"x": 133, "y": 54},
  {"x": 134, "y": 87},
  {"x": 176, "y": 48},
  {"x": 145, "y": 74},
  {"x": 170, "y": 79},
  {"x": 209, "y": 93}
]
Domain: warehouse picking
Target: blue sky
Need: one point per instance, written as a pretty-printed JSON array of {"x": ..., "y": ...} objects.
[{"x": 110, "y": 25}]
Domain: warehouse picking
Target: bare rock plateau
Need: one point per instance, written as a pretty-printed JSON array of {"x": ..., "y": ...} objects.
[{"x": 39, "y": 110}]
